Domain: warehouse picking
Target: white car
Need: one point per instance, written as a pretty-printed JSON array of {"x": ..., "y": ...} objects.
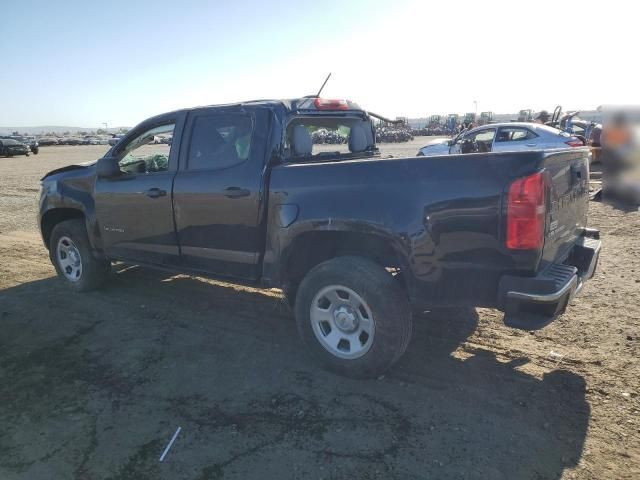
[{"x": 502, "y": 137}]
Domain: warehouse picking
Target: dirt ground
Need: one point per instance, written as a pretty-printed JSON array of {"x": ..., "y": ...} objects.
[{"x": 92, "y": 386}]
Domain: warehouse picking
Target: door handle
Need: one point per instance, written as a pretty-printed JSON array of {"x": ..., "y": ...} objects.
[
  {"x": 236, "y": 192},
  {"x": 531, "y": 144},
  {"x": 155, "y": 193}
]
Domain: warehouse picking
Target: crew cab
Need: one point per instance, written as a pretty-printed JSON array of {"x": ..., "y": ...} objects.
[{"x": 356, "y": 242}]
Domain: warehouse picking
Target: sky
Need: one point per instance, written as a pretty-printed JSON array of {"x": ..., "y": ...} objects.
[{"x": 82, "y": 63}]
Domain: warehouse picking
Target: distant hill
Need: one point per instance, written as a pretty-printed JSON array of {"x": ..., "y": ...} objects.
[{"x": 56, "y": 129}]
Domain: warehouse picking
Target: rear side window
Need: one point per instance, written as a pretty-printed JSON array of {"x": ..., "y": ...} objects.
[
  {"x": 219, "y": 141},
  {"x": 514, "y": 134}
]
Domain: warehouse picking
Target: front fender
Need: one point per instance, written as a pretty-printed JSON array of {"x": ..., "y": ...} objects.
[{"x": 72, "y": 191}]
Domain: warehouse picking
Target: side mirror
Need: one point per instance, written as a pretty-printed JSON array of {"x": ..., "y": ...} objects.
[{"x": 107, "y": 167}]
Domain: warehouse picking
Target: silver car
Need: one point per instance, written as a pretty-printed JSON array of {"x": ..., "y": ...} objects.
[{"x": 502, "y": 137}]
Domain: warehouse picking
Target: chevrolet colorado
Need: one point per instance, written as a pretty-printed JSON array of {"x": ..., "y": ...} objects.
[{"x": 357, "y": 242}]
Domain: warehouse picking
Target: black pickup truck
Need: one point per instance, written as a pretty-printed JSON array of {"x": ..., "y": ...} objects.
[{"x": 356, "y": 242}]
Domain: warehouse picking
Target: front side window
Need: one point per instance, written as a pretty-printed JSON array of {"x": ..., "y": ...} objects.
[
  {"x": 484, "y": 136},
  {"x": 478, "y": 141},
  {"x": 219, "y": 141},
  {"x": 148, "y": 152},
  {"x": 514, "y": 134}
]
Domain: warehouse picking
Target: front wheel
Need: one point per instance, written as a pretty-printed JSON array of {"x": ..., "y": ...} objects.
[
  {"x": 354, "y": 317},
  {"x": 71, "y": 255}
]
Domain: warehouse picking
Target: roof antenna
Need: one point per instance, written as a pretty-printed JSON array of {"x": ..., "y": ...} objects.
[{"x": 322, "y": 87}]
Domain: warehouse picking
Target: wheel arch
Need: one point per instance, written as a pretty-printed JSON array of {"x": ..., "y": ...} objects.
[
  {"x": 311, "y": 248},
  {"x": 53, "y": 217}
]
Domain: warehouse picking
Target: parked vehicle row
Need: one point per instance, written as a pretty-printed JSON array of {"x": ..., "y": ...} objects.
[
  {"x": 115, "y": 138},
  {"x": 48, "y": 141},
  {"x": 86, "y": 140},
  {"x": 355, "y": 241}
]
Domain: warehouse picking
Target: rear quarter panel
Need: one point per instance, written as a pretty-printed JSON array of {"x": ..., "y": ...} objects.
[{"x": 442, "y": 215}]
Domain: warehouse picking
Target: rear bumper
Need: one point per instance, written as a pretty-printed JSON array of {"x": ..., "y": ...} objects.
[{"x": 530, "y": 303}]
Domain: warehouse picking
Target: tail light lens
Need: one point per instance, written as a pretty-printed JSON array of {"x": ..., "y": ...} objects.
[
  {"x": 575, "y": 142},
  {"x": 329, "y": 104},
  {"x": 526, "y": 208}
]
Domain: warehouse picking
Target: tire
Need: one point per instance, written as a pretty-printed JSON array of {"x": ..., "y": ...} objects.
[
  {"x": 367, "y": 309},
  {"x": 36, "y": 150},
  {"x": 71, "y": 255}
]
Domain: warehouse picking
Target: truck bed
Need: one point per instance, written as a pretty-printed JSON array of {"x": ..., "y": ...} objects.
[{"x": 445, "y": 216}]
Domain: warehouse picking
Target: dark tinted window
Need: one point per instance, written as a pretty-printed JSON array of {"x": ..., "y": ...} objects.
[{"x": 219, "y": 141}]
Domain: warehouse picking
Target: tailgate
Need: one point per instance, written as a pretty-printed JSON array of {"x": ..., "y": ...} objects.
[{"x": 568, "y": 201}]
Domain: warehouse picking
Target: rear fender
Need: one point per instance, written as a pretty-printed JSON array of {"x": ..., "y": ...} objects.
[{"x": 280, "y": 245}]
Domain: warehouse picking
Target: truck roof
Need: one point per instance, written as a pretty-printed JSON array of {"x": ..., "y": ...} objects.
[{"x": 286, "y": 106}]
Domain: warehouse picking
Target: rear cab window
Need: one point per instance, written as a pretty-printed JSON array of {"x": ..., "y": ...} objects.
[{"x": 325, "y": 137}]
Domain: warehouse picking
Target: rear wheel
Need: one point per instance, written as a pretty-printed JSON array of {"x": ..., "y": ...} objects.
[
  {"x": 353, "y": 316},
  {"x": 71, "y": 255}
]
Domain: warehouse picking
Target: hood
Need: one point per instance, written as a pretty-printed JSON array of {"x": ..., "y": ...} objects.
[
  {"x": 438, "y": 141},
  {"x": 68, "y": 168},
  {"x": 436, "y": 147}
]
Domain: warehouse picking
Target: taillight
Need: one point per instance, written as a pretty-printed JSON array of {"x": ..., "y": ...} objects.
[
  {"x": 327, "y": 104},
  {"x": 526, "y": 208},
  {"x": 575, "y": 142}
]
